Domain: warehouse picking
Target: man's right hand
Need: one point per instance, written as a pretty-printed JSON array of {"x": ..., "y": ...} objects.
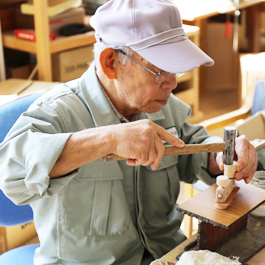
[{"x": 141, "y": 142}]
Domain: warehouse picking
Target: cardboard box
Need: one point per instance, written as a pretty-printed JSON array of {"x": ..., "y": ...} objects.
[
  {"x": 92, "y": 5},
  {"x": 253, "y": 127},
  {"x": 76, "y": 15},
  {"x": 7, "y": 19},
  {"x": 71, "y": 64},
  {"x": 22, "y": 72},
  {"x": 222, "y": 75},
  {"x": 15, "y": 236},
  {"x": 254, "y": 130}
]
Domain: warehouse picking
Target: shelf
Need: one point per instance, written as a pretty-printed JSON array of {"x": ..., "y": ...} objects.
[
  {"x": 10, "y": 41},
  {"x": 186, "y": 96},
  {"x": 186, "y": 77},
  {"x": 208, "y": 8},
  {"x": 44, "y": 48},
  {"x": 61, "y": 43},
  {"x": 71, "y": 42}
]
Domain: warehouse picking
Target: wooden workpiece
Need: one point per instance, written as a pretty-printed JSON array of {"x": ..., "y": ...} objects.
[
  {"x": 226, "y": 231},
  {"x": 202, "y": 207},
  {"x": 187, "y": 149},
  {"x": 226, "y": 189}
]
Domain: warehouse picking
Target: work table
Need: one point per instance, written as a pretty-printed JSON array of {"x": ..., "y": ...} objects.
[{"x": 255, "y": 224}]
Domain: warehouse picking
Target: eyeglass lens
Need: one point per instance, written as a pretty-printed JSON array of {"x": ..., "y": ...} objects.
[{"x": 161, "y": 76}]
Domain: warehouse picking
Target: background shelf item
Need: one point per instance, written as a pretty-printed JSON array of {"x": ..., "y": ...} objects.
[
  {"x": 187, "y": 89},
  {"x": 54, "y": 6}
]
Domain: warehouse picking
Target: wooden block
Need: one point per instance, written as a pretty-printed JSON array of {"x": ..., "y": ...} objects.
[
  {"x": 243, "y": 242},
  {"x": 237, "y": 240},
  {"x": 202, "y": 205},
  {"x": 210, "y": 236}
]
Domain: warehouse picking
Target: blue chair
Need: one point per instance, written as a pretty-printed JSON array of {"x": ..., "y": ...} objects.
[
  {"x": 259, "y": 98},
  {"x": 11, "y": 214}
]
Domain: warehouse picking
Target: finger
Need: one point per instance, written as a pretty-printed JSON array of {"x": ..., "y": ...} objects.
[
  {"x": 248, "y": 172},
  {"x": 221, "y": 166},
  {"x": 247, "y": 164},
  {"x": 160, "y": 149},
  {"x": 168, "y": 137},
  {"x": 156, "y": 153},
  {"x": 132, "y": 162},
  {"x": 219, "y": 160},
  {"x": 242, "y": 152},
  {"x": 152, "y": 154},
  {"x": 248, "y": 179},
  {"x": 145, "y": 153}
]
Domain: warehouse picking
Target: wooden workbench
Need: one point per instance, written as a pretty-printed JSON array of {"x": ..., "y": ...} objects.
[{"x": 255, "y": 224}]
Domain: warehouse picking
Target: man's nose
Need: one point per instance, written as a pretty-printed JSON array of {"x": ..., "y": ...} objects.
[{"x": 171, "y": 82}]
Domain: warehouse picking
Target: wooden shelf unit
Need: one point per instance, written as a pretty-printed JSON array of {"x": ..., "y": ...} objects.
[
  {"x": 57, "y": 45},
  {"x": 44, "y": 48}
]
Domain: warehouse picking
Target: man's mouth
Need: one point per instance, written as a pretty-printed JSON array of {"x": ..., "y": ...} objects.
[{"x": 162, "y": 101}]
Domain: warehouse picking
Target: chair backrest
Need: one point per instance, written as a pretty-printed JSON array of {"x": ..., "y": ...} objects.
[
  {"x": 259, "y": 98},
  {"x": 252, "y": 68},
  {"x": 11, "y": 214},
  {"x": 11, "y": 111}
]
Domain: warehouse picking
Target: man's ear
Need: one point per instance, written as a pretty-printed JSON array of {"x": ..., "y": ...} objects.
[{"x": 106, "y": 60}]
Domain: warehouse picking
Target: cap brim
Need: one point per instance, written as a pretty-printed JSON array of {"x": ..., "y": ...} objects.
[{"x": 177, "y": 57}]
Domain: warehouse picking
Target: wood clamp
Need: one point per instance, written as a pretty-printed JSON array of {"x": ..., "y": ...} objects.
[
  {"x": 226, "y": 232},
  {"x": 227, "y": 189}
]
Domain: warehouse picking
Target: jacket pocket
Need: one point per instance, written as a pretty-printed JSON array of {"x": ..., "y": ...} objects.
[
  {"x": 161, "y": 187},
  {"x": 96, "y": 203}
]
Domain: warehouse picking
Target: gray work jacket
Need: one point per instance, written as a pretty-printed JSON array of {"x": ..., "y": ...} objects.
[{"x": 83, "y": 218}]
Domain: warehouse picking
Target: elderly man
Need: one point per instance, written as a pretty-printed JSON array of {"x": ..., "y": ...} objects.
[{"x": 90, "y": 212}]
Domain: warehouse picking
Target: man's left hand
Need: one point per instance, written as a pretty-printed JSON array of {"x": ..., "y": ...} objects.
[{"x": 246, "y": 157}]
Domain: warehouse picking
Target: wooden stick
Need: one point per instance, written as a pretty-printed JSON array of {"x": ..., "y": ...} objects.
[{"x": 186, "y": 150}]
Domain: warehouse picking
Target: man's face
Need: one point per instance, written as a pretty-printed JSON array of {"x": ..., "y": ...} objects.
[{"x": 138, "y": 90}]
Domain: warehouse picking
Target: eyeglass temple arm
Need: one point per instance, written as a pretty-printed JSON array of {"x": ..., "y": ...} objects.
[{"x": 122, "y": 52}]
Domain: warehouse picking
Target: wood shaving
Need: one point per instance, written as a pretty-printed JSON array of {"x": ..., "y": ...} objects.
[
  {"x": 200, "y": 257},
  {"x": 163, "y": 262}
]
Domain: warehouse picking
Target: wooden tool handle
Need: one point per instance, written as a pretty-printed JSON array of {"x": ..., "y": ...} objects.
[{"x": 186, "y": 150}]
